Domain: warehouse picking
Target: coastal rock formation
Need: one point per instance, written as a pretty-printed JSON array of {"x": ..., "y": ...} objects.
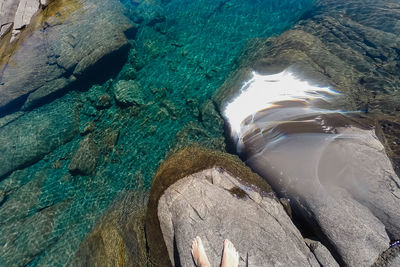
[
  {"x": 322, "y": 254},
  {"x": 224, "y": 200},
  {"x": 215, "y": 205},
  {"x": 345, "y": 189},
  {"x": 53, "y": 51},
  {"x": 336, "y": 172}
]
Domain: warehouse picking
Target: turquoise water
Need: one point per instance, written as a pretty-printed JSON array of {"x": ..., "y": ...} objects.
[
  {"x": 182, "y": 51},
  {"x": 181, "y": 61}
]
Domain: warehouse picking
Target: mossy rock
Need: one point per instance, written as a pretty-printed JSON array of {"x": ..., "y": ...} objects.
[
  {"x": 118, "y": 237},
  {"x": 181, "y": 164}
]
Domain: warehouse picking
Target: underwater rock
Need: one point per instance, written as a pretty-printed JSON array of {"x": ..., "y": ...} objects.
[
  {"x": 110, "y": 139},
  {"x": 128, "y": 73},
  {"x": 195, "y": 133},
  {"x": 33, "y": 232},
  {"x": 2, "y": 196},
  {"x": 9, "y": 118},
  {"x": 50, "y": 55},
  {"x": 103, "y": 101},
  {"x": 85, "y": 158},
  {"x": 149, "y": 12},
  {"x": 89, "y": 127},
  {"x": 210, "y": 117},
  {"x": 32, "y": 135},
  {"x": 389, "y": 130},
  {"x": 118, "y": 238},
  {"x": 128, "y": 93},
  {"x": 27, "y": 219},
  {"x": 213, "y": 195},
  {"x": 172, "y": 109}
]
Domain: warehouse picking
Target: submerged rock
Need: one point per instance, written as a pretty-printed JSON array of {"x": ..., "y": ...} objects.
[
  {"x": 150, "y": 12},
  {"x": 118, "y": 238},
  {"x": 110, "y": 139},
  {"x": 29, "y": 137},
  {"x": 2, "y": 196},
  {"x": 89, "y": 128},
  {"x": 33, "y": 233},
  {"x": 85, "y": 158},
  {"x": 103, "y": 101},
  {"x": 210, "y": 118},
  {"x": 128, "y": 93},
  {"x": 213, "y": 195},
  {"x": 195, "y": 133}
]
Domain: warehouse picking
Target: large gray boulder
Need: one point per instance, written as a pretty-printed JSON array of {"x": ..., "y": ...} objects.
[
  {"x": 215, "y": 205},
  {"x": 345, "y": 187},
  {"x": 333, "y": 167},
  {"x": 214, "y": 195},
  {"x": 54, "y": 50}
]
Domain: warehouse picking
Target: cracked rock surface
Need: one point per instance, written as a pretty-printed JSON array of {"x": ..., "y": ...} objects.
[
  {"x": 16, "y": 14},
  {"x": 352, "y": 47},
  {"x": 215, "y": 205}
]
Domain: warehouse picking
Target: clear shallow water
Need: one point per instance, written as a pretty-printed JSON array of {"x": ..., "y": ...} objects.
[{"x": 178, "y": 62}]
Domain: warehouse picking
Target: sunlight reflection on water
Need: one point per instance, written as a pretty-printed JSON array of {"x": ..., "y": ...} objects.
[{"x": 262, "y": 92}]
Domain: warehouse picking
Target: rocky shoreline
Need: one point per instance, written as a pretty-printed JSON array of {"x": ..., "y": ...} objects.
[
  {"x": 71, "y": 191},
  {"x": 46, "y": 48}
]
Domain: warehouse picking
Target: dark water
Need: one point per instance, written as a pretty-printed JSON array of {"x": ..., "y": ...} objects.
[{"x": 182, "y": 51}]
